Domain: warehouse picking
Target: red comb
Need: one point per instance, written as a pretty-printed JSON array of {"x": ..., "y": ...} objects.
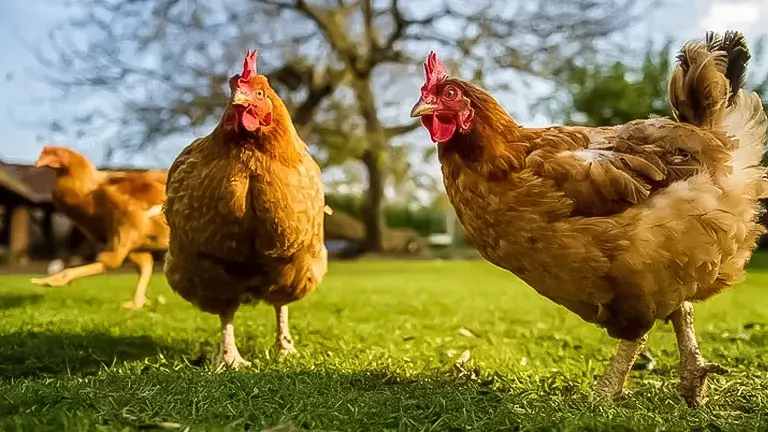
[
  {"x": 435, "y": 72},
  {"x": 249, "y": 65}
]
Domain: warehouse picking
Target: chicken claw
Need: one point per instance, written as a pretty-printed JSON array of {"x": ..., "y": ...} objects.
[
  {"x": 134, "y": 305},
  {"x": 693, "y": 382},
  {"x": 285, "y": 347},
  {"x": 61, "y": 278},
  {"x": 693, "y": 368},
  {"x": 612, "y": 384},
  {"x": 230, "y": 361},
  {"x": 229, "y": 356}
]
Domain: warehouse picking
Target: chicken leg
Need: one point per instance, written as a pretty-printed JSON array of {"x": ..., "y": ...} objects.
[
  {"x": 613, "y": 382},
  {"x": 66, "y": 276},
  {"x": 283, "y": 339},
  {"x": 693, "y": 368},
  {"x": 145, "y": 266},
  {"x": 229, "y": 356}
]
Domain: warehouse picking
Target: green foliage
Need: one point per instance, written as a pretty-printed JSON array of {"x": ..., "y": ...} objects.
[
  {"x": 761, "y": 88},
  {"x": 348, "y": 203},
  {"x": 377, "y": 343},
  {"x": 605, "y": 95},
  {"x": 423, "y": 220}
]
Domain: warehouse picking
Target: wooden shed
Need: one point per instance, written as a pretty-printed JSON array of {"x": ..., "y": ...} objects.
[{"x": 25, "y": 204}]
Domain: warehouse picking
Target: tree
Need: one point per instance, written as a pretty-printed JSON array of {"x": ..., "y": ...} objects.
[
  {"x": 617, "y": 93},
  {"x": 343, "y": 66}
]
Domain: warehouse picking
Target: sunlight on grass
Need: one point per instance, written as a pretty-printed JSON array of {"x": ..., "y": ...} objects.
[{"x": 377, "y": 343}]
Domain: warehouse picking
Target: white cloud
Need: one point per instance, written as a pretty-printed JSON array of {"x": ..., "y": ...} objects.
[{"x": 744, "y": 16}]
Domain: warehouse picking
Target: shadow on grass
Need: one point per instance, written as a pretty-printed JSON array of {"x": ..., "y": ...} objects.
[
  {"x": 329, "y": 399},
  {"x": 12, "y": 301},
  {"x": 255, "y": 400},
  {"x": 30, "y": 354},
  {"x": 323, "y": 400}
]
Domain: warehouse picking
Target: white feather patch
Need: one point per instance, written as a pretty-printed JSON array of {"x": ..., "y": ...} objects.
[
  {"x": 746, "y": 121},
  {"x": 593, "y": 155},
  {"x": 155, "y": 210}
]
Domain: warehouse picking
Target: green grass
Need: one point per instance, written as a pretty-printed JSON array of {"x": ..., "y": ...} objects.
[{"x": 377, "y": 342}]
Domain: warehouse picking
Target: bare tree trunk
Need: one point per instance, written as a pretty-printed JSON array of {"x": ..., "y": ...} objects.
[
  {"x": 371, "y": 158},
  {"x": 372, "y": 206}
]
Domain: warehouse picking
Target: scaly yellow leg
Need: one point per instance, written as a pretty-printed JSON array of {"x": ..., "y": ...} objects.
[
  {"x": 615, "y": 379},
  {"x": 283, "y": 339},
  {"x": 693, "y": 368},
  {"x": 144, "y": 264}
]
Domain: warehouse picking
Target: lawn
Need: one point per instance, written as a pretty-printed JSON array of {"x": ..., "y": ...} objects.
[{"x": 377, "y": 346}]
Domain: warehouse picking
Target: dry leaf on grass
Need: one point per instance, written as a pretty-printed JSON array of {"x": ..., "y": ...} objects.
[
  {"x": 462, "y": 369},
  {"x": 644, "y": 362}
]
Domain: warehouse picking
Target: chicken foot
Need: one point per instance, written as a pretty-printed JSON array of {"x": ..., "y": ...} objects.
[
  {"x": 66, "y": 276},
  {"x": 229, "y": 356},
  {"x": 693, "y": 368},
  {"x": 613, "y": 383},
  {"x": 283, "y": 339},
  {"x": 145, "y": 265}
]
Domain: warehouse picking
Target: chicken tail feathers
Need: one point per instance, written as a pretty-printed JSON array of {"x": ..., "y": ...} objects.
[
  {"x": 708, "y": 78},
  {"x": 737, "y": 56}
]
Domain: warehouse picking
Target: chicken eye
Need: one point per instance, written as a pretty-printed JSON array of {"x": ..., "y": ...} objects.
[
  {"x": 259, "y": 94},
  {"x": 450, "y": 93}
]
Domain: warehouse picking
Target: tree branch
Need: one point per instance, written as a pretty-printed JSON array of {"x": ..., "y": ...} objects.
[
  {"x": 370, "y": 30},
  {"x": 332, "y": 29},
  {"x": 318, "y": 92}
]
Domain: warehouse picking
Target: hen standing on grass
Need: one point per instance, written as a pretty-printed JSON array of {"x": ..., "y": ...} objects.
[
  {"x": 622, "y": 225},
  {"x": 121, "y": 209},
  {"x": 245, "y": 206}
]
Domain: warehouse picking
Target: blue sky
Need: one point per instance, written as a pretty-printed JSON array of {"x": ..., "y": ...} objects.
[{"x": 28, "y": 22}]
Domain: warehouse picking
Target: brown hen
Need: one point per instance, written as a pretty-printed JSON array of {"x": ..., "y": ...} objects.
[
  {"x": 245, "y": 205},
  {"x": 622, "y": 225},
  {"x": 121, "y": 209}
]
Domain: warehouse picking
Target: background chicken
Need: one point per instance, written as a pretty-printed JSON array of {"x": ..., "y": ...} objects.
[
  {"x": 121, "y": 209},
  {"x": 621, "y": 225},
  {"x": 245, "y": 206}
]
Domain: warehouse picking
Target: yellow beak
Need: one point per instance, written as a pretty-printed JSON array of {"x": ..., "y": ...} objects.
[
  {"x": 240, "y": 99},
  {"x": 422, "y": 108}
]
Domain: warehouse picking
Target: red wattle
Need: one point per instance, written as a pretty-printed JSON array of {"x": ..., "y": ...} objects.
[
  {"x": 250, "y": 122},
  {"x": 441, "y": 128}
]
